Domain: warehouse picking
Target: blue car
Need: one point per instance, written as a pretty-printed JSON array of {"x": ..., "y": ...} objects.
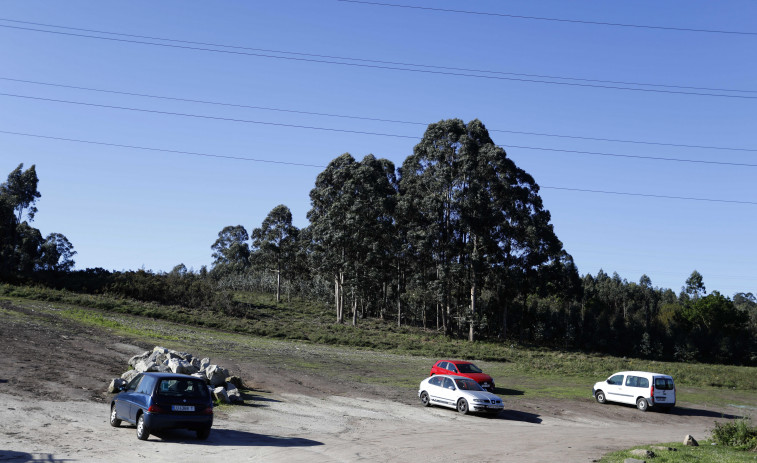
[{"x": 155, "y": 401}]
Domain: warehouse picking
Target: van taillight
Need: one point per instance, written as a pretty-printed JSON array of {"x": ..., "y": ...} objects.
[
  {"x": 208, "y": 411},
  {"x": 651, "y": 393},
  {"x": 155, "y": 409}
]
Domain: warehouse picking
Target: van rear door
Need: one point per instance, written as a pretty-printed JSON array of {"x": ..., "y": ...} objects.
[{"x": 664, "y": 390}]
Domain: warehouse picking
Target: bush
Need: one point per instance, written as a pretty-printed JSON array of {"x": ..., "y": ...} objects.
[{"x": 739, "y": 434}]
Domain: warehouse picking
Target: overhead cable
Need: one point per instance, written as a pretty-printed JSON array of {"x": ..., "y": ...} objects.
[
  {"x": 393, "y": 68},
  {"x": 565, "y": 20}
]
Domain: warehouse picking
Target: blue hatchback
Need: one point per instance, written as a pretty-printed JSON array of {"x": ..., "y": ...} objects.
[{"x": 155, "y": 401}]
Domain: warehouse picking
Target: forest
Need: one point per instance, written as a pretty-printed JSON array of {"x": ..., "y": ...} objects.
[{"x": 456, "y": 240}]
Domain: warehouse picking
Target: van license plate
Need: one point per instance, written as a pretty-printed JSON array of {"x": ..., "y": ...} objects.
[{"x": 183, "y": 408}]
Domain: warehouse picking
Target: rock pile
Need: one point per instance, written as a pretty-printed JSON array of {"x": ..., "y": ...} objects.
[{"x": 223, "y": 386}]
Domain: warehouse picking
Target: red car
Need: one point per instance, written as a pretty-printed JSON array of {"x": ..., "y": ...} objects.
[{"x": 463, "y": 368}]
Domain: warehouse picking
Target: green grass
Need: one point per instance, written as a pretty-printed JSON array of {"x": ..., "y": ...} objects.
[
  {"x": 520, "y": 371},
  {"x": 705, "y": 453}
]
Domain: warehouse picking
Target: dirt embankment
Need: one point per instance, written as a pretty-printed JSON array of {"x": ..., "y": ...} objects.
[{"x": 53, "y": 407}]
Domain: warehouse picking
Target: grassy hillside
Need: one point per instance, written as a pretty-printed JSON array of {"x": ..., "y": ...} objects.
[{"x": 538, "y": 371}]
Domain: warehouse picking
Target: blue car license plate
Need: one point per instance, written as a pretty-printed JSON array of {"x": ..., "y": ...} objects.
[{"x": 183, "y": 408}]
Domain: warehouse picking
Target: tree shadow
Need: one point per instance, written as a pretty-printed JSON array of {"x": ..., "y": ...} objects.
[
  {"x": 23, "y": 457},
  {"x": 232, "y": 437}
]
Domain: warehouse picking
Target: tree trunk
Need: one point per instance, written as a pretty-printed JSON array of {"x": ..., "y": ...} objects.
[{"x": 472, "y": 310}]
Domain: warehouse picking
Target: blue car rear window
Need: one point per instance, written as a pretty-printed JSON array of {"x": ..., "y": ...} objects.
[{"x": 182, "y": 388}]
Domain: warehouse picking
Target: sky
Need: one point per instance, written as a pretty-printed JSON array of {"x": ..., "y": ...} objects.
[{"x": 154, "y": 125}]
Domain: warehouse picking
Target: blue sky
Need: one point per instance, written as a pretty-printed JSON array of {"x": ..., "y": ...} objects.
[{"x": 125, "y": 208}]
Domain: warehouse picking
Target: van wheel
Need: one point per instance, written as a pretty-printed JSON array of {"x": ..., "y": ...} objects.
[
  {"x": 600, "y": 396},
  {"x": 642, "y": 404}
]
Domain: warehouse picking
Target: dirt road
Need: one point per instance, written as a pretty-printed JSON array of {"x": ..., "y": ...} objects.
[{"x": 54, "y": 414}]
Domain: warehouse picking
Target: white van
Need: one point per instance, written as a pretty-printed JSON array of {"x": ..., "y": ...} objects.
[{"x": 641, "y": 388}]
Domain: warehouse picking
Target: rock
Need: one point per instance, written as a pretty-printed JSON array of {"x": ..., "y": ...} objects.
[
  {"x": 644, "y": 453},
  {"x": 133, "y": 361},
  {"x": 216, "y": 375},
  {"x": 236, "y": 381},
  {"x": 220, "y": 395},
  {"x": 690, "y": 441},
  {"x": 177, "y": 365},
  {"x": 204, "y": 364},
  {"x": 145, "y": 365},
  {"x": 129, "y": 375},
  {"x": 663, "y": 449},
  {"x": 116, "y": 385},
  {"x": 233, "y": 393}
]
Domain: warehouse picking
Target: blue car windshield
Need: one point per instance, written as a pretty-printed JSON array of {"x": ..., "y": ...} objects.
[{"x": 182, "y": 388}]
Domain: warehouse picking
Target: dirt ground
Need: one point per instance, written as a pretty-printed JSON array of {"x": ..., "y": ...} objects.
[{"x": 54, "y": 408}]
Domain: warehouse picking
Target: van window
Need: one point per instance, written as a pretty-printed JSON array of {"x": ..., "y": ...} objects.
[
  {"x": 637, "y": 381},
  {"x": 616, "y": 380},
  {"x": 663, "y": 383}
]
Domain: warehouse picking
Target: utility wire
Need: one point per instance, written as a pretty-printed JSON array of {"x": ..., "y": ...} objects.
[
  {"x": 359, "y": 132},
  {"x": 368, "y": 118},
  {"x": 200, "y": 116},
  {"x": 147, "y": 148},
  {"x": 651, "y": 195},
  {"x": 392, "y": 68},
  {"x": 431, "y": 66},
  {"x": 538, "y": 18},
  {"x": 240, "y": 158}
]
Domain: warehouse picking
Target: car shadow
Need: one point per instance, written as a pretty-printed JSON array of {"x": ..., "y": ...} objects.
[
  {"x": 516, "y": 415},
  {"x": 686, "y": 411},
  {"x": 506, "y": 391},
  {"x": 233, "y": 437},
  {"x": 23, "y": 457}
]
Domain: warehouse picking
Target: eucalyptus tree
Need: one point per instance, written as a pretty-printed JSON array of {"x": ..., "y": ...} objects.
[
  {"x": 231, "y": 252},
  {"x": 274, "y": 244},
  {"x": 57, "y": 253},
  {"x": 351, "y": 225},
  {"x": 471, "y": 211},
  {"x": 19, "y": 242}
]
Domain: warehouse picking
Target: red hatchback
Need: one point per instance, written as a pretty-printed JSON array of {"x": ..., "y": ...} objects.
[{"x": 463, "y": 368}]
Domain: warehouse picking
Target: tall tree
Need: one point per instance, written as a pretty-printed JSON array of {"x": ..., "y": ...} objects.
[
  {"x": 57, "y": 253},
  {"x": 473, "y": 210},
  {"x": 274, "y": 243},
  {"x": 231, "y": 252},
  {"x": 695, "y": 285},
  {"x": 350, "y": 224},
  {"x": 21, "y": 191}
]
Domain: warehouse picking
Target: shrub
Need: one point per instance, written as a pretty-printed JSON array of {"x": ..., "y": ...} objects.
[{"x": 739, "y": 434}]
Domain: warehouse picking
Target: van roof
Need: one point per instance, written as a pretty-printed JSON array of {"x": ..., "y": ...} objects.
[{"x": 640, "y": 373}]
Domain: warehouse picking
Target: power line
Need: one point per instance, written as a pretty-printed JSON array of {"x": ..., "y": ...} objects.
[
  {"x": 431, "y": 66},
  {"x": 395, "y": 68},
  {"x": 376, "y": 119},
  {"x": 200, "y": 116},
  {"x": 651, "y": 195},
  {"x": 147, "y": 148},
  {"x": 240, "y": 158},
  {"x": 538, "y": 18},
  {"x": 360, "y": 132}
]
